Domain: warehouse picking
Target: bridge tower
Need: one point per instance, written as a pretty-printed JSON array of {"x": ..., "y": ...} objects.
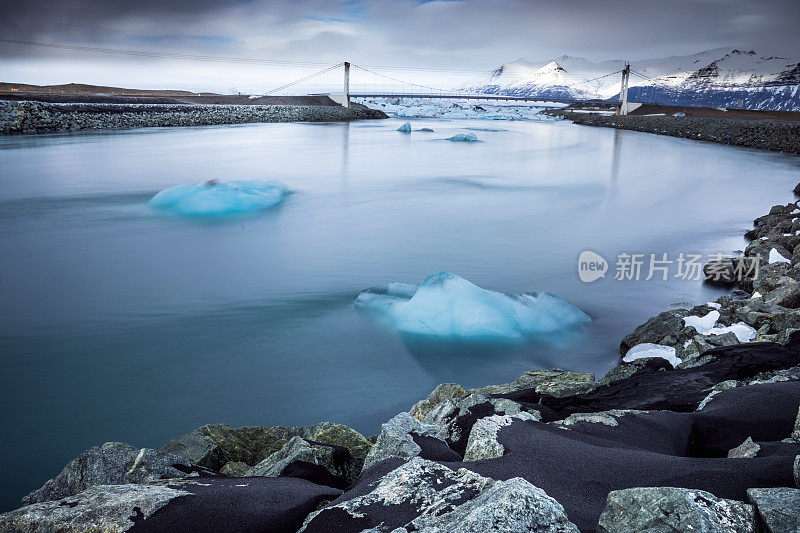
[
  {"x": 623, "y": 91},
  {"x": 346, "y": 95}
]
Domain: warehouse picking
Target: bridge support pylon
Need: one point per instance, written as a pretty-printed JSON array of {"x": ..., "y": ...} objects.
[
  {"x": 623, "y": 91},
  {"x": 346, "y": 95}
]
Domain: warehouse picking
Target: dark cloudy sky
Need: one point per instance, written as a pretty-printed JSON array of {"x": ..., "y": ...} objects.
[{"x": 479, "y": 34}]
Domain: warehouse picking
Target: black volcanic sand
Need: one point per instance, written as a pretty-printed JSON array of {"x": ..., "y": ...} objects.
[{"x": 255, "y": 504}]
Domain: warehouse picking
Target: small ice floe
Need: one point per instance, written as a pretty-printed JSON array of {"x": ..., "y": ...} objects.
[
  {"x": 219, "y": 198},
  {"x": 447, "y": 306},
  {"x": 679, "y": 114},
  {"x": 463, "y": 137},
  {"x": 429, "y": 130},
  {"x": 702, "y": 324},
  {"x": 743, "y": 332},
  {"x": 776, "y": 257},
  {"x": 405, "y": 128},
  {"x": 707, "y": 325},
  {"x": 647, "y": 350},
  {"x": 714, "y": 305}
]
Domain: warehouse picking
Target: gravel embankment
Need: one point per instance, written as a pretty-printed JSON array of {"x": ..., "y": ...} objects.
[
  {"x": 36, "y": 117},
  {"x": 775, "y": 136}
]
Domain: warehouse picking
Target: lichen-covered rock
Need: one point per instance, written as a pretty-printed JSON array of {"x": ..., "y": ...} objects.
[
  {"x": 716, "y": 389},
  {"x": 778, "y": 508},
  {"x": 556, "y": 383},
  {"x": 113, "y": 463},
  {"x": 425, "y": 496},
  {"x": 442, "y": 393},
  {"x": 746, "y": 450},
  {"x": 397, "y": 439},
  {"x": 609, "y": 418},
  {"x": 796, "y": 471},
  {"x": 213, "y": 446},
  {"x": 796, "y": 430},
  {"x": 669, "y": 509},
  {"x": 102, "y": 508},
  {"x": 786, "y": 294},
  {"x": 334, "y": 459},
  {"x": 507, "y": 506},
  {"x": 482, "y": 443},
  {"x": 235, "y": 469}
]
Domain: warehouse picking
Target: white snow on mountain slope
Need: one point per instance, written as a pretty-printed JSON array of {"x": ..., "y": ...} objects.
[{"x": 721, "y": 76}]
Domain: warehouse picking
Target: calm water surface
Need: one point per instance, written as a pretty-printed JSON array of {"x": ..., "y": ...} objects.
[{"x": 120, "y": 324}]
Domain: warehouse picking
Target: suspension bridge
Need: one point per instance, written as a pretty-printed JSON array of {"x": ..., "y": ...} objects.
[{"x": 419, "y": 91}]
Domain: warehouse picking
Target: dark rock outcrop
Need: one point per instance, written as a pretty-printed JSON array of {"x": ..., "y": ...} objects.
[
  {"x": 423, "y": 495},
  {"x": 113, "y": 463},
  {"x": 668, "y": 509}
]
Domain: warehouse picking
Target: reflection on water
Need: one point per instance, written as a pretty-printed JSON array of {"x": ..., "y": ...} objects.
[{"x": 122, "y": 325}]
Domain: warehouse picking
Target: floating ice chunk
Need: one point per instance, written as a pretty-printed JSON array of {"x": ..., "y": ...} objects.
[
  {"x": 219, "y": 198},
  {"x": 647, "y": 350},
  {"x": 679, "y": 115},
  {"x": 447, "y": 306},
  {"x": 714, "y": 305},
  {"x": 743, "y": 332},
  {"x": 463, "y": 137},
  {"x": 405, "y": 128},
  {"x": 702, "y": 324},
  {"x": 776, "y": 257},
  {"x": 429, "y": 130}
]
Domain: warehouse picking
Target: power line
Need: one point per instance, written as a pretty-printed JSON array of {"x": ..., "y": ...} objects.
[{"x": 164, "y": 55}]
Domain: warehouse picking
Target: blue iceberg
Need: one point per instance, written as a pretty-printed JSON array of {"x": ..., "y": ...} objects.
[
  {"x": 405, "y": 128},
  {"x": 450, "y": 307},
  {"x": 219, "y": 198},
  {"x": 463, "y": 137}
]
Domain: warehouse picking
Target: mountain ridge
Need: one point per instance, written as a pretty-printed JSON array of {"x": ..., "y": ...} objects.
[{"x": 719, "y": 77}]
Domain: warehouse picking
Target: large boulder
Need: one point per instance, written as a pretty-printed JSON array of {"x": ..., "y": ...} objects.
[
  {"x": 778, "y": 508},
  {"x": 558, "y": 383},
  {"x": 666, "y": 328},
  {"x": 213, "y": 446},
  {"x": 397, "y": 439},
  {"x": 796, "y": 430},
  {"x": 786, "y": 294},
  {"x": 106, "y": 508},
  {"x": 113, "y": 463},
  {"x": 442, "y": 393},
  {"x": 482, "y": 442},
  {"x": 328, "y": 464},
  {"x": 669, "y": 509},
  {"x": 425, "y": 496}
]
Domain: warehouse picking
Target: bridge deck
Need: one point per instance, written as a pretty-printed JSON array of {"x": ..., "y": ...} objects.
[{"x": 505, "y": 97}]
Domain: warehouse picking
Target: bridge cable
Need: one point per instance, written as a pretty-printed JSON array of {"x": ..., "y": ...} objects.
[{"x": 301, "y": 80}]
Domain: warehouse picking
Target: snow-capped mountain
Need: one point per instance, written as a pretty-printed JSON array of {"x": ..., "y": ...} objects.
[{"x": 717, "y": 78}]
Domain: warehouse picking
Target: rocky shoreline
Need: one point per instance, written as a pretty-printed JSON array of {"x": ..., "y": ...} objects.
[
  {"x": 43, "y": 117},
  {"x": 702, "y": 435},
  {"x": 763, "y": 135}
]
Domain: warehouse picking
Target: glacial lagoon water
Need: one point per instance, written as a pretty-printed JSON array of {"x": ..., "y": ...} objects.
[{"x": 121, "y": 323}]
